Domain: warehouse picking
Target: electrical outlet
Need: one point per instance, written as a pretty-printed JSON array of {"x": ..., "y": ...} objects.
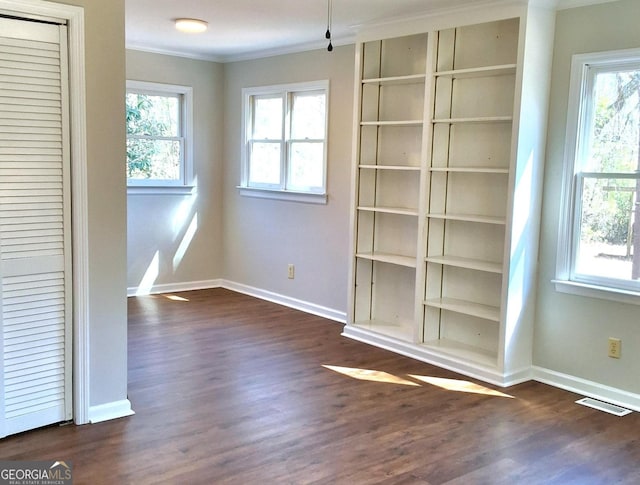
[
  {"x": 615, "y": 347},
  {"x": 291, "y": 271}
]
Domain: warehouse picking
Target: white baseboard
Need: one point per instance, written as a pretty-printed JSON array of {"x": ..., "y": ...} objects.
[
  {"x": 588, "y": 388},
  {"x": 111, "y": 410},
  {"x": 301, "y": 305},
  {"x": 174, "y": 287}
]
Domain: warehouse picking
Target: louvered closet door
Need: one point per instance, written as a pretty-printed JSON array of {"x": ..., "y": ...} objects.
[{"x": 35, "y": 340}]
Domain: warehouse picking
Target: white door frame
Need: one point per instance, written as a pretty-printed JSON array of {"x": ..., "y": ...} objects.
[{"x": 74, "y": 16}]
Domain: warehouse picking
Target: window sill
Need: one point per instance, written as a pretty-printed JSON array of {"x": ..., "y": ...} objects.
[
  {"x": 306, "y": 197},
  {"x": 595, "y": 291},
  {"x": 161, "y": 190}
]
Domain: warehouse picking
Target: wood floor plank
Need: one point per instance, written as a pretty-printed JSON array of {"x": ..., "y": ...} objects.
[{"x": 229, "y": 389}]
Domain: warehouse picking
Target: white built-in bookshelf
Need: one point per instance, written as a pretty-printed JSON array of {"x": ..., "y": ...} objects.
[
  {"x": 389, "y": 165},
  {"x": 442, "y": 263}
]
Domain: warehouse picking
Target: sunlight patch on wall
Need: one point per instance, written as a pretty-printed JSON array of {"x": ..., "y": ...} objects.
[
  {"x": 186, "y": 241},
  {"x": 518, "y": 284},
  {"x": 183, "y": 211},
  {"x": 522, "y": 204},
  {"x": 150, "y": 276}
]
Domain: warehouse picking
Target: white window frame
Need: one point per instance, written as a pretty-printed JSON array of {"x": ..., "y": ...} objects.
[
  {"x": 584, "y": 67},
  {"x": 185, "y": 183},
  {"x": 280, "y": 191}
]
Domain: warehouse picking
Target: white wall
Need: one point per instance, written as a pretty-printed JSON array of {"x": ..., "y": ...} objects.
[
  {"x": 571, "y": 331},
  {"x": 162, "y": 226},
  {"x": 106, "y": 206},
  {"x": 104, "y": 54},
  {"x": 262, "y": 236}
]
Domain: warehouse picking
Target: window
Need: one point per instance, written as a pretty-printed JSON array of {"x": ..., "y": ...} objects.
[
  {"x": 158, "y": 135},
  {"x": 599, "y": 243},
  {"x": 285, "y": 141}
]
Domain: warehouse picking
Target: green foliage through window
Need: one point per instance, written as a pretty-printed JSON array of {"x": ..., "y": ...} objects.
[
  {"x": 608, "y": 241},
  {"x": 154, "y": 141}
]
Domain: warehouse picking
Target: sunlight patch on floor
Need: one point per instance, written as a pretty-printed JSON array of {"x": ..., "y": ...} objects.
[
  {"x": 175, "y": 298},
  {"x": 455, "y": 385},
  {"x": 370, "y": 375},
  {"x": 458, "y": 385}
]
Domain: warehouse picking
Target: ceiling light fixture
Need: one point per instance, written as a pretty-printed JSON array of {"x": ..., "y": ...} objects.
[
  {"x": 191, "y": 26},
  {"x": 327, "y": 35}
]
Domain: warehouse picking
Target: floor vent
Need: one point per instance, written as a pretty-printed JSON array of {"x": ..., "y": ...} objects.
[{"x": 603, "y": 406}]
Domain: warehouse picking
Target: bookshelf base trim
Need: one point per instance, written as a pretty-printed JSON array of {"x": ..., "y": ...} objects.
[{"x": 489, "y": 374}]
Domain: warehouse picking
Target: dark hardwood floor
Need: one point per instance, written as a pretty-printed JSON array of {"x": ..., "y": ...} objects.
[{"x": 229, "y": 389}]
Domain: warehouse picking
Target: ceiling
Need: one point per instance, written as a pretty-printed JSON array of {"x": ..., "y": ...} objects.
[{"x": 244, "y": 29}]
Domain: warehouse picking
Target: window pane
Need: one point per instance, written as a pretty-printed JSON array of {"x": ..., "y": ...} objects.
[
  {"x": 153, "y": 159},
  {"x": 308, "y": 116},
  {"x": 615, "y": 129},
  {"x": 150, "y": 115},
  {"x": 264, "y": 167},
  {"x": 605, "y": 246},
  {"x": 306, "y": 165},
  {"x": 267, "y": 118}
]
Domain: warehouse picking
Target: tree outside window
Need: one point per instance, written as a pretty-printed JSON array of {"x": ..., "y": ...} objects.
[
  {"x": 157, "y": 121},
  {"x": 604, "y": 232}
]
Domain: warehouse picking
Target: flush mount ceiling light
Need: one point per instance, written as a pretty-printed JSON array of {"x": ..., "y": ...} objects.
[{"x": 191, "y": 26}]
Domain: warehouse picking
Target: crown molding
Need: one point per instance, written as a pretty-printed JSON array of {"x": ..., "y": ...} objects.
[
  {"x": 292, "y": 49},
  {"x": 246, "y": 56},
  {"x": 174, "y": 53},
  {"x": 441, "y": 11},
  {"x": 567, "y": 4}
]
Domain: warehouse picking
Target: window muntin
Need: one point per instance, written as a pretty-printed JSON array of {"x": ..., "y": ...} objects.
[
  {"x": 603, "y": 246},
  {"x": 267, "y": 140},
  {"x": 306, "y": 143},
  {"x": 158, "y": 138},
  {"x": 285, "y": 138}
]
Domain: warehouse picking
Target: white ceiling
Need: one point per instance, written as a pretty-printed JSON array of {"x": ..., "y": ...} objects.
[
  {"x": 245, "y": 29},
  {"x": 254, "y": 28}
]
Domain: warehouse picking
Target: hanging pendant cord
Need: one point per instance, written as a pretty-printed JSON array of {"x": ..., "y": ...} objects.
[{"x": 327, "y": 35}]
